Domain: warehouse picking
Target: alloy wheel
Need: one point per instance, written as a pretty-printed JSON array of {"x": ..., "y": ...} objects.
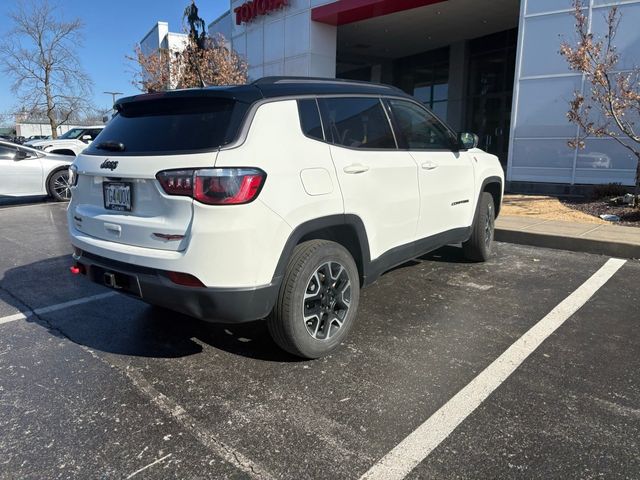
[
  {"x": 60, "y": 186},
  {"x": 327, "y": 299},
  {"x": 489, "y": 226}
]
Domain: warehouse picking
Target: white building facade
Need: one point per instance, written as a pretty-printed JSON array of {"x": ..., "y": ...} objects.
[
  {"x": 160, "y": 38},
  {"x": 487, "y": 66},
  {"x": 281, "y": 40},
  {"x": 543, "y": 86}
]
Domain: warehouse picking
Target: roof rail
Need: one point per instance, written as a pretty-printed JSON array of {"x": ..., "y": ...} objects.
[{"x": 340, "y": 81}]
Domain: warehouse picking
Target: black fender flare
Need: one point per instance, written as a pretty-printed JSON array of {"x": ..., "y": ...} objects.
[
  {"x": 323, "y": 224},
  {"x": 486, "y": 181}
]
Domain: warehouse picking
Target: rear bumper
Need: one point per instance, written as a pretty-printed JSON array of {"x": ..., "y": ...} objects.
[{"x": 220, "y": 305}]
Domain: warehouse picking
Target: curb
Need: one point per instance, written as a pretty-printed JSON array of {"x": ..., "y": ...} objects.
[{"x": 573, "y": 244}]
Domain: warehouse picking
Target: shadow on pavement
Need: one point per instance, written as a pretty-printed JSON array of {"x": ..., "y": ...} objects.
[
  {"x": 10, "y": 201},
  {"x": 448, "y": 254},
  {"x": 127, "y": 326}
]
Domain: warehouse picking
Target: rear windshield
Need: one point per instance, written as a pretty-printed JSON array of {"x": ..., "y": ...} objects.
[{"x": 170, "y": 126}]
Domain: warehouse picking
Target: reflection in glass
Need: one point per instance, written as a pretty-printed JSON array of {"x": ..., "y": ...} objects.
[{"x": 491, "y": 75}]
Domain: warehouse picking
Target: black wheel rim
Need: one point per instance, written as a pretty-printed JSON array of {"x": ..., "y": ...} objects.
[
  {"x": 60, "y": 186},
  {"x": 489, "y": 226},
  {"x": 327, "y": 299}
]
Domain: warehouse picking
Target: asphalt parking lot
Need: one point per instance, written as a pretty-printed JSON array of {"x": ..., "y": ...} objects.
[{"x": 97, "y": 385}]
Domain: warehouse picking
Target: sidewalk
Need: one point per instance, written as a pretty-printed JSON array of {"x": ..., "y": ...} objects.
[{"x": 603, "y": 239}]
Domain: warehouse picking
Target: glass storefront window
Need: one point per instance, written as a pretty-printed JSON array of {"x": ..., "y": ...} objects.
[
  {"x": 426, "y": 77},
  {"x": 440, "y": 92},
  {"x": 423, "y": 94},
  {"x": 440, "y": 109},
  {"x": 491, "y": 74},
  {"x": 435, "y": 97}
]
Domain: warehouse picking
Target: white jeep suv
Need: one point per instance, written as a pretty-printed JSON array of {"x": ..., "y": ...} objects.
[
  {"x": 277, "y": 200},
  {"x": 69, "y": 143}
]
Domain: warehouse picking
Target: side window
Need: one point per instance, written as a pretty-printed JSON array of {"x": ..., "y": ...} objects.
[
  {"x": 310, "y": 119},
  {"x": 418, "y": 129},
  {"x": 94, "y": 133},
  {"x": 7, "y": 153},
  {"x": 357, "y": 123},
  {"x": 26, "y": 153}
]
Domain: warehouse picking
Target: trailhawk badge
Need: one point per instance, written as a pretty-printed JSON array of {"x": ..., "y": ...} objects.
[{"x": 110, "y": 164}]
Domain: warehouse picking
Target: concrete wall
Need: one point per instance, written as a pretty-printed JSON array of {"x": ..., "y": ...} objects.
[
  {"x": 221, "y": 25},
  {"x": 543, "y": 87},
  {"x": 283, "y": 42},
  {"x": 159, "y": 37},
  {"x": 29, "y": 129},
  {"x": 154, "y": 39}
]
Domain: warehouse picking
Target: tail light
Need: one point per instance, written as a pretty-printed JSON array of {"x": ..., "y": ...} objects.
[
  {"x": 177, "y": 182},
  {"x": 214, "y": 186}
]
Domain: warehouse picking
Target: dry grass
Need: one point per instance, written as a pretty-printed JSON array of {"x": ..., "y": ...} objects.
[{"x": 546, "y": 208}]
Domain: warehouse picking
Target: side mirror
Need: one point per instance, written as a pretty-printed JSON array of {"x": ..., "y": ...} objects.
[
  {"x": 86, "y": 138},
  {"x": 20, "y": 155},
  {"x": 468, "y": 141}
]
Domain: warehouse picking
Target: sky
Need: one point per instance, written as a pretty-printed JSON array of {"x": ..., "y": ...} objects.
[{"x": 112, "y": 29}]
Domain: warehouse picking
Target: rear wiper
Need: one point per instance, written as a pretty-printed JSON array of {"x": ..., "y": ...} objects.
[{"x": 111, "y": 146}]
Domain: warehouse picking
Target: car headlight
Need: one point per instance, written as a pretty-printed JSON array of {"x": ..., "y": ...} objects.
[{"x": 73, "y": 175}]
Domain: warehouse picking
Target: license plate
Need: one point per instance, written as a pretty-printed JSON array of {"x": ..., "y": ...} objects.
[{"x": 117, "y": 196}]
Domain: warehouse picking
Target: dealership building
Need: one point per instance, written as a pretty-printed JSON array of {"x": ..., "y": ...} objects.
[{"x": 487, "y": 66}]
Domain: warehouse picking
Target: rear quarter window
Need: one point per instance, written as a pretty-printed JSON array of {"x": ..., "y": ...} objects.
[
  {"x": 171, "y": 126},
  {"x": 310, "y": 119}
]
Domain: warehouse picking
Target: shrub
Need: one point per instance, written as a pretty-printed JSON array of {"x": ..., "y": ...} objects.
[{"x": 609, "y": 190}]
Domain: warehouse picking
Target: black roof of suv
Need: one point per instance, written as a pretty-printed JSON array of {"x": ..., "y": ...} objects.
[
  {"x": 273, "y": 87},
  {"x": 204, "y": 119}
]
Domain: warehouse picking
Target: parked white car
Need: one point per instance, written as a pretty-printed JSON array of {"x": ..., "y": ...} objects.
[
  {"x": 71, "y": 142},
  {"x": 279, "y": 199},
  {"x": 26, "y": 172},
  {"x": 35, "y": 138}
]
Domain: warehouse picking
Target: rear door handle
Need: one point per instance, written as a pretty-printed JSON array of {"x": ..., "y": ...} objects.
[
  {"x": 355, "y": 168},
  {"x": 429, "y": 166}
]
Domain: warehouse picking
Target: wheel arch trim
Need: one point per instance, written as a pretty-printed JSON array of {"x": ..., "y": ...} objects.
[
  {"x": 321, "y": 226},
  {"x": 486, "y": 182}
]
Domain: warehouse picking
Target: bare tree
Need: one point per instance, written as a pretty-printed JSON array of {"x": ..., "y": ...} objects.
[
  {"x": 612, "y": 107},
  {"x": 6, "y": 119},
  {"x": 216, "y": 64},
  {"x": 39, "y": 54},
  {"x": 153, "y": 71},
  {"x": 202, "y": 61}
]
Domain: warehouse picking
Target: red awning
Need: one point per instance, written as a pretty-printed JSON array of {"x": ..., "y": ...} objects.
[{"x": 342, "y": 12}]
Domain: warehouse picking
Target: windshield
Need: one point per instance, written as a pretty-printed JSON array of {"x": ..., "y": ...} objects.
[{"x": 72, "y": 134}]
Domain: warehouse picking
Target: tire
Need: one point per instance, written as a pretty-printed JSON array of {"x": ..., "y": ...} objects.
[
  {"x": 312, "y": 316},
  {"x": 478, "y": 247},
  {"x": 58, "y": 186}
]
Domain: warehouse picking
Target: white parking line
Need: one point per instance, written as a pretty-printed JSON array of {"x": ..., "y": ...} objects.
[
  {"x": 206, "y": 437},
  {"x": 14, "y": 317},
  {"x": 164, "y": 403},
  {"x": 399, "y": 462},
  {"x": 150, "y": 465},
  {"x": 54, "y": 308}
]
